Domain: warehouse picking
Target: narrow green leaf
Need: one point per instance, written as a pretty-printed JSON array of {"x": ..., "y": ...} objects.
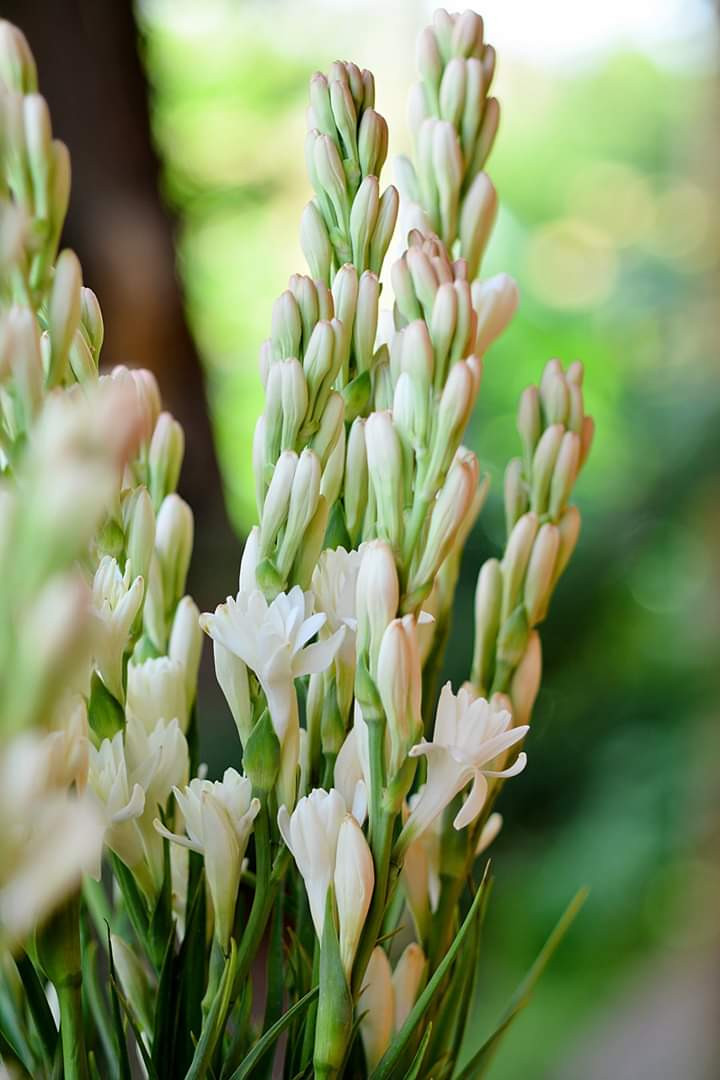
[
  {"x": 161, "y": 928},
  {"x": 12, "y": 1035},
  {"x": 191, "y": 971},
  {"x": 244, "y": 1071},
  {"x": 215, "y": 1021},
  {"x": 275, "y": 984},
  {"x": 166, "y": 1015},
  {"x": 99, "y": 1007},
  {"x": 135, "y": 1026},
  {"x": 481, "y": 1061},
  {"x": 392, "y": 1055},
  {"x": 121, "y": 1050},
  {"x": 414, "y": 1071},
  {"x": 133, "y": 899},
  {"x": 38, "y": 1005}
]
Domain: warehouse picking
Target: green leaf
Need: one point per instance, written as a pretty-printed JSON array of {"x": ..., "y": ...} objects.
[
  {"x": 160, "y": 929},
  {"x": 481, "y": 1061},
  {"x": 133, "y": 1022},
  {"x": 275, "y": 983},
  {"x": 244, "y": 1071},
  {"x": 38, "y": 1004},
  {"x": 414, "y": 1071},
  {"x": 166, "y": 1015},
  {"x": 13, "y": 1039},
  {"x": 393, "y": 1054},
  {"x": 121, "y": 1050},
  {"x": 192, "y": 969},
  {"x": 215, "y": 1020},
  {"x": 135, "y": 904},
  {"x": 99, "y": 1008},
  {"x": 105, "y": 714}
]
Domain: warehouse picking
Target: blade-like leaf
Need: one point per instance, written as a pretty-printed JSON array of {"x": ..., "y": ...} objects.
[
  {"x": 166, "y": 1015},
  {"x": 38, "y": 1004},
  {"x": 481, "y": 1061},
  {"x": 99, "y": 1006},
  {"x": 134, "y": 903},
  {"x": 214, "y": 1024},
  {"x": 414, "y": 1071},
  {"x": 244, "y": 1071},
  {"x": 394, "y": 1052},
  {"x": 121, "y": 1050},
  {"x": 275, "y": 984}
]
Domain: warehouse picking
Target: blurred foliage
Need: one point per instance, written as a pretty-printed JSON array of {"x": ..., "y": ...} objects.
[{"x": 609, "y": 225}]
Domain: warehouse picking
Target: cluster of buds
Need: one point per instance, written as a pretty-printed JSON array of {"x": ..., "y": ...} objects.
[
  {"x": 349, "y": 221},
  {"x": 453, "y": 123},
  {"x": 513, "y": 595}
]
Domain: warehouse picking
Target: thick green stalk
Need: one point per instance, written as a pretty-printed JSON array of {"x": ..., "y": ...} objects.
[
  {"x": 72, "y": 1029},
  {"x": 59, "y": 954}
]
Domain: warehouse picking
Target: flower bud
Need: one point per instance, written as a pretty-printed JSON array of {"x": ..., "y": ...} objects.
[
  {"x": 377, "y": 1003},
  {"x": 38, "y": 136},
  {"x": 17, "y": 67},
  {"x": 366, "y": 320},
  {"x": 448, "y": 167},
  {"x": 372, "y": 143},
  {"x": 173, "y": 544},
  {"x": 486, "y": 137},
  {"x": 456, "y": 403},
  {"x": 477, "y": 217},
  {"x": 554, "y": 394},
  {"x": 319, "y": 363},
  {"x": 586, "y": 438},
  {"x": 529, "y": 423},
  {"x": 428, "y": 59},
  {"x": 303, "y": 503},
  {"x": 363, "y": 217},
  {"x": 538, "y": 580},
  {"x": 167, "y": 447},
  {"x": 452, "y": 504},
  {"x": 406, "y": 302},
  {"x": 543, "y": 465},
  {"x": 442, "y": 327},
  {"x": 384, "y": 228},
  {"x": 377, "y": 598},
  {"x": 515, "y": 493},
  {"x": 293, "y": 400},
  {"x": 344, "y": 116},
  {"x": 322, "y": 117},
  {"x": 564, "y": 473},
  {"x": 59, "y": 191},
  {"x": 330, "y": 175},
  {"x": 156, "y": 691},
  {"x": 286, "y": 326},
  {"x": 185, "y": 645},
  {"x": 515, "y": 560},
  {"x": 495, "y": 302},
  {"x": 475, "y": 89},
  {"x": 331, "y": 426},
  {"x": 309, "y": 553},
  {"x": 385, "y": 470},
  {"x": 354, "y": 882},
  {"x": 20, "y": 353},
  {"x": 334, "y": 470},
  {"x": 315, "y": 243},
  {"x": 356, "y": 480},
  {"x": 406, "y": 980},
  {"x": 525, "y": 683},
  {"x": 139, "y": 522},
  {"x": 569, "y": 530},
  {"x": 452, "y": 91},
  {"x": 232, "y": 677},
  {"x": 277, "y": 501},
  {"x": 64, "y": 312}
]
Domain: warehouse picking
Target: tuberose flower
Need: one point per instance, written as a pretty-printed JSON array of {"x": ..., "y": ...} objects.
[
  {"x": 272, "y": 639},
  {"x": 218, "y": 819},
  {"x": 469, "y": 736},
  {"x": 116, "y": 600}
]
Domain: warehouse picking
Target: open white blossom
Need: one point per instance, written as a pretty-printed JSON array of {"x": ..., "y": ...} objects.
[
  {"x": 116, "y": 601},
  {"x": 218, "y": 817},
  {"x": 272, "y": 639},
  {"x": 334, "y": 586},
  {"x": 469, "y": 737},
  {"x": 328, "y": 845},
  {"x": 121, "y": 802}
]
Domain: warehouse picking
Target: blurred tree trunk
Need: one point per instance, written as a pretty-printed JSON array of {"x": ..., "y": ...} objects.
[{"x": 91, "y": 74}]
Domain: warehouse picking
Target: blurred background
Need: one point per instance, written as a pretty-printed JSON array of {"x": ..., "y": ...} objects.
[{"x": 185, "y": 120}]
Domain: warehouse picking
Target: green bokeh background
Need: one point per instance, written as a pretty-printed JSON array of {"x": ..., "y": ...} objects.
[{"x": 606, "y": 174}]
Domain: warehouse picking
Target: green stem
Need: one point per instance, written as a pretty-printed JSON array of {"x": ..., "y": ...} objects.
[
  {"x": 376, "y": 740},
  {"x": 384, "y": 879},
  {"x": 72, "y": 1028}
]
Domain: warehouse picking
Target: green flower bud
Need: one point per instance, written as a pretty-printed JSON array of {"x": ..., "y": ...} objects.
[
  {"x": 516, "y": 502},
  {"x": 303, "y": 503},
  {"x": 382, "y": 385},
  {"x": 321, "y": 115},
  {"x": 331, "y": 176},
  {"x": 512, "y": 642},
  {"x": 448, "y": 167},
  {"x": 319, "y": 364},
  {"x": 538, "y": 580},
  {"x": 173, "y": 546},
  {"x": 515, "y": 560},
  {"x": 82, "y": 363},
  {"x": 139, "y": 525},
  {"x": 334, "y": 470},
  {"x": 576, "y": 411},
  {"x": 185, "y": 644},
  {"x": 356, "y": 395},
  {"x": 442, "y": 327},
  {"x": 529, "y": 423},
  {"x": 92, "y": 321},
  {"x": 293, "y": 399},
  {"x": 488, "y": 602},
  {"x": 368, "y": 84},
  {"x": 543, "y": 465},
  {"x": 428, "y": 59},
  {"x": 363, "y": 217},
  {"x": 366, "y": 320},
  {"x": 345, "y": 117},
  {"x": 449, "y": 510},
  {"x": 473, "y": 105},
  {"x": 315, "y": 243},
  {"x": 486, "y": 138},
  {"x": 261, "y": 755},
  {"x": 305, "y": 293},
  {"x": 165, "y": 456},
  {"x": 64, "y": 313},
  {"x": 277, "y": 502},
  {"x": 554, "y": 394},
  {"x": 59, "y": 192},
  {"x": 17, "y": 66},
  {"x": 286, "y": 326},
  {"x": 569, "y": 530},
  {"x": 372, "y": 143},
  {"x": 331, "y": 424},
  {"x": 385, "y": 470},
  {"x": 356, "y": 480},
  {"x": 424, "y": 279},
  {"x": 564, "y": 473},
  {"x": 406, "y": 301},
  {"x": 38, "y": 136},
  {"x": 465, "y": 323},
  {"x": 456, "y": 403},
  {"x": 312, "y": 544},
  {"x": 20, "y": 352}
]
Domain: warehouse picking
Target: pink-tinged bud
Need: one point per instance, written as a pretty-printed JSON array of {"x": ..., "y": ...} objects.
[
  {"x": 354, "y": 881},
  {"x": 525, "y": 683},
  {"x": 428, "y": 59},
  {"x": 569, "y": 529},
  {"x": 477, "y": 217},
  {"x": 452, "y": 91},
  {"x": 495, "y": 302},
  {"x": 564, "y": 473},
  {"x": 529, "y": 422},
  {"x": 515, "y": 561},
  {"x": 538, "y": 580},
  {"x": 407, "y": 980},
  {"x": 467, "y": 34},
  {"x": 543, "y": 465},
  {"x": 488, "y": 603}
]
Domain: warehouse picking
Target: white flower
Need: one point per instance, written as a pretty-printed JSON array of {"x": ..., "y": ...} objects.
[
  {"x": 399, "y": 683},
  {"x": 272, "y": 640},
  {"x": 354, "y": 881},
  {"x": 334, "y": 585},
  {"x": 156, "y": 689},
  {"x": 116, "y": 600},
  {"x": 311, "y": 834},
  {"x": 218, "y": 819},
  {"x": 468, "y": 739},
  {"x": 121, "y": 804},
  {"x": 352, "y": 767}
]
